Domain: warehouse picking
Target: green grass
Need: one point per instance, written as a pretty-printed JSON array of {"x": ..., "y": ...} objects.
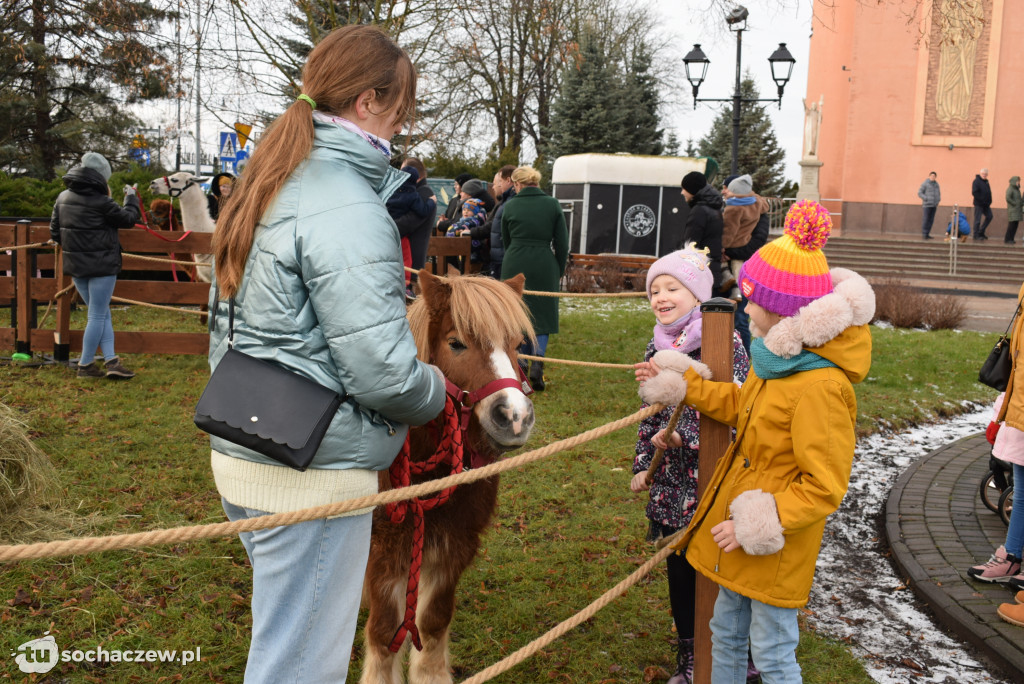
[{"x": 567, "y": 528}]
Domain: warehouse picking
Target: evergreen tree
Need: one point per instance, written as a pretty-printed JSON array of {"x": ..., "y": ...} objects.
[
  {"x": 759, "y": 153},
  {"x": 640, "y": 132},
  {"x": 69, "y": 71},
  {"x": 587, "y": 116},
  {"x": 672, "y": 145}
]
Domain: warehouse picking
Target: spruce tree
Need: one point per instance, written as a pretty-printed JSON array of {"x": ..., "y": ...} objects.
[
  {"x": 759, "y": 153},
  {"x": 640, "y": 132},
  {"x": 587, "y": 116},
  {"x": 69, "y": 70}
]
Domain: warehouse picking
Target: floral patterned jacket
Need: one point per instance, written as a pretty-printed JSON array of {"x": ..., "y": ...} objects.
[{"x": 674, "y": 486}]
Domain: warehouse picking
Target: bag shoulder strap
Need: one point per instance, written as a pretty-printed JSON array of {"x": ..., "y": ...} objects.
[{"x": 1016, "y": 313}]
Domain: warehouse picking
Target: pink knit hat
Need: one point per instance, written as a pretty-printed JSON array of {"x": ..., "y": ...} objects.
[
  {"x": 791, "y": 272},
  {"x": 689, "y": 266}
]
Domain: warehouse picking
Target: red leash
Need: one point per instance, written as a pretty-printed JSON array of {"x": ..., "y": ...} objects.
[{"x": 449, "y": 450}]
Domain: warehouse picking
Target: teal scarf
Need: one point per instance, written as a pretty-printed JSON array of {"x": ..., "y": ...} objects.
[{"x": 769, "y": 366}]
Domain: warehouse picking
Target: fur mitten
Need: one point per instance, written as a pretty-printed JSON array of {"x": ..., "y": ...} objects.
[
  {"x": 668, "y": 387},
  {"x": 756, "y": 523}
]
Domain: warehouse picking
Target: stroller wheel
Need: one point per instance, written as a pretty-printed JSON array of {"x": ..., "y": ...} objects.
[
  {"x": 990, "y": 491},
  {"x": 1006, "y": 505}
]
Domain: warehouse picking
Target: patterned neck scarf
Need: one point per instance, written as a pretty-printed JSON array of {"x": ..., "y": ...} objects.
[
  {"x": 682, "y": 335},
  {"x": 379, "y": 144}
]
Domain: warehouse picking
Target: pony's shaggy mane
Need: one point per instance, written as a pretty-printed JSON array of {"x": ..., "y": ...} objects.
[{"x": 482, "y": 309}]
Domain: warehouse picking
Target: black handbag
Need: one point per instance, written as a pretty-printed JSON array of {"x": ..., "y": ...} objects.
[
  {"x": 264, "y": 407},
  {"x": 995, "y": 372}
]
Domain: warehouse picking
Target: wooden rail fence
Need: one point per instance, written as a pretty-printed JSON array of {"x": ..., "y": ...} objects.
[{"x": 30, "y": 278}]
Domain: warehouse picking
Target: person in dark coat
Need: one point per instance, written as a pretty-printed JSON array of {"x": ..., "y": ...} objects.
[
  {"x": 537, "y": 245},
  {"x": 220, "y": 190},
  {"x": 504, "y": 191},
  {"x": 454, "y": 209},
  {"x": 84, "y": 223},
  {"x": 480, "y": 190},
  {"x": 1014, "y": 212},
  {"x": 704, "y": 221},
  {"x": 409, "y": 206},
  {"x": 418, "y": 231},
  {"x": 982, "y": 193}
]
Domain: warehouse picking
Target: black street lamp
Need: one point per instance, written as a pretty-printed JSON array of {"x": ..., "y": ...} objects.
[{"x": 696, "y": 65}]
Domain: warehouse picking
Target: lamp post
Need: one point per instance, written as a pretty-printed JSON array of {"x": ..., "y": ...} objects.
[{"x": 696, "y": 64}]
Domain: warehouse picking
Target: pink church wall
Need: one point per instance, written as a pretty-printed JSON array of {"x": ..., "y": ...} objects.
[{"x": 872, "y": 115}]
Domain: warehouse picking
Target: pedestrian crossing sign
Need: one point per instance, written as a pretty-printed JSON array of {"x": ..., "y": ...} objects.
[{"x": 228, "y": 145}]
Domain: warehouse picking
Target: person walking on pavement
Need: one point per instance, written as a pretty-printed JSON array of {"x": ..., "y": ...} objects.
[
  {"x": 930, "y": 195},
  {"x": 1014, "y": 209},
  {"x": 982, "y": 193}
]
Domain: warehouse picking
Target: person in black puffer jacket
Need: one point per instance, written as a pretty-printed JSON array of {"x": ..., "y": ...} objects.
[
  {"x": 704, "y": 221},
  {"x": 84, "y": 223}
]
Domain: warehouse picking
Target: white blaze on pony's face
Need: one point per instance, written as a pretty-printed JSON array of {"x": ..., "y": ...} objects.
[{"x": 507, "y": 412}]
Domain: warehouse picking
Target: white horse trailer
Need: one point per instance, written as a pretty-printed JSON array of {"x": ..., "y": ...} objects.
[{"x": 623, "y": 203}]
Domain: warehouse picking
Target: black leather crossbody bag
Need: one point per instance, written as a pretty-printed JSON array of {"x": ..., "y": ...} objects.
[
  {"x": 264, "y": 407},
  {"x": 995, "y": 372}
]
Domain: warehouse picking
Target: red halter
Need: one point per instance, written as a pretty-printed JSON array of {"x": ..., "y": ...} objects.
[{"x": 458, "y": 407}]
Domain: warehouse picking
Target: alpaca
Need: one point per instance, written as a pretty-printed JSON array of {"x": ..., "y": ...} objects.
[{"x": 194, "y": 212}]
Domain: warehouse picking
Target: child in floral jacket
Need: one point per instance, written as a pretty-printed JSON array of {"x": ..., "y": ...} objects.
[{"x": 676, "y": 285}]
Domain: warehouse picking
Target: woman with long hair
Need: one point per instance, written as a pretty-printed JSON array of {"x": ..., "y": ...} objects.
[{"x": 312, "y": 261}]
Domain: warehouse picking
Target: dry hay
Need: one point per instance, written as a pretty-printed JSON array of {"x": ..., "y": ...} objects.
[{"x": 31, "y": 498}]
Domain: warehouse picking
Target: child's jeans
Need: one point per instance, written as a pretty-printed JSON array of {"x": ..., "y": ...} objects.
[
  {"x": 1015, "y": 530},
  {"x": 773, "y": 635}
]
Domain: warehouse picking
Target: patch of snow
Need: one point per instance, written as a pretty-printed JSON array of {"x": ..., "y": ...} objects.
[{"x": 858, "y": 598}]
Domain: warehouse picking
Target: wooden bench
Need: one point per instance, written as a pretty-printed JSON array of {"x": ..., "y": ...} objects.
[
  {"x": 440, "y": 248},
  {"x": 607, "y": 272}
]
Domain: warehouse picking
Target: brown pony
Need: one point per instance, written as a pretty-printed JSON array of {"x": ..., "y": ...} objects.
[{"x": 470, "y": 327}]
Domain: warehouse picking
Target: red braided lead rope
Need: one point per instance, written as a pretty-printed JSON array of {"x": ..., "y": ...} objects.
[{"x": 449, "y": 450}]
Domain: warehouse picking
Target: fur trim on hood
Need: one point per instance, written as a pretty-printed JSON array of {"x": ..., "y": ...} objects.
[
  {"x": 851, "y": 303},
  {"x": 668, "y": 387}
]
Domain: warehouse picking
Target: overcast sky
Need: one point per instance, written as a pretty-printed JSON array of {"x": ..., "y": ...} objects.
[
  {"x": 685, "y": 22},
  {"x": 767, "y": 26}
]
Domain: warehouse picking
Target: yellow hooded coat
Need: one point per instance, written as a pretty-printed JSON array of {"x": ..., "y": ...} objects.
[{"x": 789, "y": 466}]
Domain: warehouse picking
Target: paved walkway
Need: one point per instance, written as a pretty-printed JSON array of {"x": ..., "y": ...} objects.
[{"x": 937, "y": 528}]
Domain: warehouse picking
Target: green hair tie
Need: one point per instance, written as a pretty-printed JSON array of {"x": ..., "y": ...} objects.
[{"x": 306, "y": 98}]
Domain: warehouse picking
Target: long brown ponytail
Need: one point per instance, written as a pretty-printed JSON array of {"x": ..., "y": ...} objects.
[{"x": 334, "y": 76}]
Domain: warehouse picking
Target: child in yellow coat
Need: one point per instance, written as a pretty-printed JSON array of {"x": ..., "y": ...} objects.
[{"x": 757, "y": 530}]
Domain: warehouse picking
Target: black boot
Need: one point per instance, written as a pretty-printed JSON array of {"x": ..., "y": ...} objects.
[
  {"x": 684, "y": 663},
  {"x": 537, "y": 376}
]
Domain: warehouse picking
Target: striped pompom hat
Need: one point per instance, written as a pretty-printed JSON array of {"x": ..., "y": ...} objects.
[{"x": 791, "y": 272}]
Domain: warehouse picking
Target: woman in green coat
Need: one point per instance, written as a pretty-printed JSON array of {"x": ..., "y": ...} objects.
[
  {"x": 1013, "y": 209},
  {"x": 536, "y": 245}
]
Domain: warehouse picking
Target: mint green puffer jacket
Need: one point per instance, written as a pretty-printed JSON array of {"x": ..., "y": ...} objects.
[{"x": 324, "y": 295}]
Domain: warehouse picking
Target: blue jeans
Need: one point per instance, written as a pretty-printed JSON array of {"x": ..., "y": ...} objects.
[
  {"x": 540, "y": 349},
  {"x": 99, "y": 331},
  {"x": 773, "y": 634},
  {"x": 1015, "y": 531},
  {"x": 927, "y": 220},
  {"x": 307, "y": 581}
]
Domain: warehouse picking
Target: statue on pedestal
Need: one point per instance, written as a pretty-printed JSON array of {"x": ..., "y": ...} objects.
[{"x": 812, "y": 127}]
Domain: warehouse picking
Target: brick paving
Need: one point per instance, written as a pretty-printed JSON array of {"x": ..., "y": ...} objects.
[{"x": 937, "y": 528}]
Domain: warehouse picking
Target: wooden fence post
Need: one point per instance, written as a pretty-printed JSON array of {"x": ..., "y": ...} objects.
[
  {"x": 62, "y": 324},
  {"x": 716, "y": 352},
  {"x": 23, "y": 289}
]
